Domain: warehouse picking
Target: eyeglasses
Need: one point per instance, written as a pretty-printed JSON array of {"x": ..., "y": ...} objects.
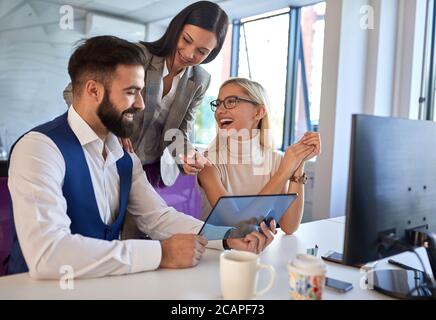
[{"x": 229, "y": 102}]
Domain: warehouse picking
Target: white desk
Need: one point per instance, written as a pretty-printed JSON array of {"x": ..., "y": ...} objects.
[{"x": 202, "y": 281}]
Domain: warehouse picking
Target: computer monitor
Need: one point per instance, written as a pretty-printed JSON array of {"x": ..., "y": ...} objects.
[
  {"x": 392, "y": 185},
  {"x": 391, "y": 194}
]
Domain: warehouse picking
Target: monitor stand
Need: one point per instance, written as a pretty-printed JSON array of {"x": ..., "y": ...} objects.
[{"x": 401, "y": 284}]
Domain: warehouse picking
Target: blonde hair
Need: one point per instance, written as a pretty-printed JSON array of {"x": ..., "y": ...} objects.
[{"x": 258, "y": 94}]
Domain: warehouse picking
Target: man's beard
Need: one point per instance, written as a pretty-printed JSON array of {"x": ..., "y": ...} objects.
[{"x": 113, "y": 120}]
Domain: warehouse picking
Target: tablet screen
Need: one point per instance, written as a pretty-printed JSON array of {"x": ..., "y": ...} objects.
[{"x": 237, "y": 216}]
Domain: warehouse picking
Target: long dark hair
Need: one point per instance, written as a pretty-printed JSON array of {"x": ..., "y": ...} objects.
[{"x": 203, "y": 14}]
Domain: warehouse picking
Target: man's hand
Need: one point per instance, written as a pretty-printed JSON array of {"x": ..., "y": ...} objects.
[
  {"x": 193, "y": 162},
  {"x": 182, "y": 251},
  {"x": 255, "y": 241}
]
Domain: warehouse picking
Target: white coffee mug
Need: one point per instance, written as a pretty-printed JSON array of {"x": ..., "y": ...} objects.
[{"x": 239, "y": 272}]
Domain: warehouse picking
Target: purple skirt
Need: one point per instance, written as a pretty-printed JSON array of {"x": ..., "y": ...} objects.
[{"x": 183, "y": 195}]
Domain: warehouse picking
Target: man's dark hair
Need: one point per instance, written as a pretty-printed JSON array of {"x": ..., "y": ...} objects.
[
  {"x": 203, "y": 14},
  {"x": 97, "y": 58}
]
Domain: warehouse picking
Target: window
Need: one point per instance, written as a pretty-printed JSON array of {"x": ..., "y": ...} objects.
[
  {"x": 309, "y": 69},
  {"x": 219, "y": 69},
  {"x": 429, "y": 103},
  {"x": 263, "y": 52},
  {"x": 283, "y": 51}
]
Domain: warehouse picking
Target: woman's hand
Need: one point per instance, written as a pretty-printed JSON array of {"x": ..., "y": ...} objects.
[
  {"x": 312, "y": 139},
  {"x": 193, "y": 162},
  {"x": 294, "y": 156},
  {"x": 127, "y": 144},
  {"x": 297, "y": 154}
]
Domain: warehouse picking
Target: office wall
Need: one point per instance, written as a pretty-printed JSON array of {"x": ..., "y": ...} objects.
[
  {"x": 342, "y": 94},
  {"x": 366, "y": 70},
  {"x": 34, "y": 53},
  {"x": 381, "y": 59}
]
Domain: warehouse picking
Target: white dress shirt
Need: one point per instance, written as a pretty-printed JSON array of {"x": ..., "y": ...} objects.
[
  {"x": 160, "y": 115},
  {"x": 36, "y": 175}
]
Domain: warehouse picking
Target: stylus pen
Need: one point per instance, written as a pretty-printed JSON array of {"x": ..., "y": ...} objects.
[{"x": 401, "y": 265}]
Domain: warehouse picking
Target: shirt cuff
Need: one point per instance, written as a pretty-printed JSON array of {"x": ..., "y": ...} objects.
[
  {"x": 215, "y": 244},
  {"x": 146, "y": 255}
]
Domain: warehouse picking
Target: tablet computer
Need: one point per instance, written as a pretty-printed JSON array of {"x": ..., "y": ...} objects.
[{"x": 237, "y": 216}]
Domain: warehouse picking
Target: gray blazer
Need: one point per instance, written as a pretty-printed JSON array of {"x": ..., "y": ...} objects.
[{"x": 189, "y": 94}]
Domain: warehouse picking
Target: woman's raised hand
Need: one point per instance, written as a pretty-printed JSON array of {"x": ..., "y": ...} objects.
[
  {"x": 312, "y": 139},
  {"x": 294, "y": 156},
  {"x": 306, "y": 148}
]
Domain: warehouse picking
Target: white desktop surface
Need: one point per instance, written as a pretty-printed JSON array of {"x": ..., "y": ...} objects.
[{"x": 202, "y": 281}]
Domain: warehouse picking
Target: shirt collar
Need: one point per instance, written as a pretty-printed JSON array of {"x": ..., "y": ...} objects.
[
  {"x": 166, "y": 72},
  {"x": 80, "y": 128},
  {"x": 86, "y": 135}
]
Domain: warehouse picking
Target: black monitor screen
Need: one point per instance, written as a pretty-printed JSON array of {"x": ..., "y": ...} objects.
[{"x": 392, "y": 184}]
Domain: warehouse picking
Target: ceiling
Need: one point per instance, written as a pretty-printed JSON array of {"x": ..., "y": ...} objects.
[{"x": 25, "y": 13}]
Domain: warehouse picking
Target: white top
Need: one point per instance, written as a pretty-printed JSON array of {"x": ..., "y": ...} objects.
[
  {"x": 161, "y": 114},
  {"x": 164, "y": 103},
  {"x": 35, "y": 182},
  {"x": 244, "y": 167}
]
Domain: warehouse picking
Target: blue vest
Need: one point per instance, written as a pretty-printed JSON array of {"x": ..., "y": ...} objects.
[{"x": 82, "y": 208}]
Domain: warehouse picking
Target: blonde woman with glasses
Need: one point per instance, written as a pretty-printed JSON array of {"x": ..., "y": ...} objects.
[{"x": 243, "y": 155}]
